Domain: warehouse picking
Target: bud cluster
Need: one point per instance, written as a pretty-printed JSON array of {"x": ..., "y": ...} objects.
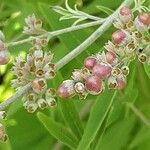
[
  {"x": 36, "y": 69},
  {"x": 110, "y": 68},
  {"x": 3, "y": 135},
  {"x": 4, "y": 53},
  {"x": 33, "y": 25}
]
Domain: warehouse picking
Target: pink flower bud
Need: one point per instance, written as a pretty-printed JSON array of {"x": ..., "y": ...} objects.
[
  {"x": 142, "y": 22},
  {"x": 110, "y": 57},
  {"x": 39, "y": 85},
  {"x": 4, "y": 57},
  {"x": 121, "y": 37},
  {"x": 89, "y": 62},
  {"x": 66, "y": 89},
  {"x": 121, "y": 83},
  {"x": 125, "y": 14},
  {"x": 93, "y": 85},
  {"x": 102, "y": 70},
  {"x": 144, "y": 18}
]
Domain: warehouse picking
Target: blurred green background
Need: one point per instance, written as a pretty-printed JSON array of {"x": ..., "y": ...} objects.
[{"x": 125, "y": 131}]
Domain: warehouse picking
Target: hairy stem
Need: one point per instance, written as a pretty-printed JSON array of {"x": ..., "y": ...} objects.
[
  {"x": 108, "y": 22},
  {"x": 57, "y": 32}
]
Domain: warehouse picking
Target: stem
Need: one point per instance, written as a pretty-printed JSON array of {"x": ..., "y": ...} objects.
[
  {"x": 139, "y": 114},
  {"x": 108, "y": 22},
  {"x": 57, "y": 32}
]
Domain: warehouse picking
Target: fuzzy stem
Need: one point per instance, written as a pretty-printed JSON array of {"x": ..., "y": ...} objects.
[
  {"x": 139, "y": 114},
  {"x": 57, "y": 32},
  {"x": 108, "y": 22}
]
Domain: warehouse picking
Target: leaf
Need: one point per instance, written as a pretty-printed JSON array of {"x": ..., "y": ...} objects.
[
  {"x": 106, "y": 10},
  {"x": 117, "y": 136},
  {"x": 58, "y": 131},
  {"x": 70, "y": 115},
  {"x": 97, "y": 116},
  {"x": 147, "y": 69}
]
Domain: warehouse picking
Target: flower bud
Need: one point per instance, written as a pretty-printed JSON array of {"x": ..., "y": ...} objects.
[
  {"x": 93, "y": 85},
  {"x": 4, "y": 57},
  {"x": 51, "y": 102},
  {"x": 142, "y": 58},
  {"x": 79, "y": 87},
  {"x": 142, "y": 22},
  {"x": 115, "y": 71},
  {"x": 66, "y": 89},
  {"x": 50, "y": 93},
  {"x": 2, "y": 114},
  {"x": 77, "y": 75},
  {"x": 125, "y": 14},
  {"x": 110, "y": 57},
  {"x": 121, "y": 37},
  {"x": 125, "y": 70},
  {"x": 90, "y": 62},
  {"x": 121, "y": 83},
  {"x": 102, "y": 70},
  {"x": 112, "y": 83},
  {"x": 31, "y": 107},
  {"x": 39, "y": 85},
  {"x": 42, "y": 103}
]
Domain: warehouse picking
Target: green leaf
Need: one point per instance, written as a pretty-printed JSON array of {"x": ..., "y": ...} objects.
[
  {"x": 147, "y": 69},
  {"x": 106, "y": 10},
  {"x": 97, "y": 117},
  {"x": 70, "y": 114},
  {"x": 117, "y": 136},
  {"x": 58, "y": 131}
]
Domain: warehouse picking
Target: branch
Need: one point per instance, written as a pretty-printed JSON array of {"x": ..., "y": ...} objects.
[
  {"x": 57, "y": 32},
  {"x": 108, "y": 22}
]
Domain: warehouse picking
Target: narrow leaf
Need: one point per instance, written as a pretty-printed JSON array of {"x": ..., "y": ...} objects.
[
  {"x": 58, "y": 131},
  {"x": 96, "y": 119}
]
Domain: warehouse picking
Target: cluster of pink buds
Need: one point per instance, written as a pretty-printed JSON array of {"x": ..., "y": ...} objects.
[
  {"x": 33, "y": 25},
  {"x": 4, "y": 53},
  {"x": 90, "y": 79},
  {"x": 130, "y": 41},
  {"x": 3, "y": 135},
  {"x": 36, "y": 69}
]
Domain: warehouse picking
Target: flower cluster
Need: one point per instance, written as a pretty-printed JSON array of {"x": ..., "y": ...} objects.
[
  {"x": 4, "y": 53},
  {"x": 3, "y": 135},
  {"x": 33, "y": 25},
  {"x": 36, "y": 69},
  {"x": 130, "y": 41}
]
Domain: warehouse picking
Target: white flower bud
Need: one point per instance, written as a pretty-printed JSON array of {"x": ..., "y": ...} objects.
[
  {"x": 50, "y": 93},
  {"x": 2, "y": 114},
  {"x": 31, "y": 107},
  {"x": 79, "y": 87},
  {"x": 51, "y": 102},
  {"x": 42, "y": 103}
]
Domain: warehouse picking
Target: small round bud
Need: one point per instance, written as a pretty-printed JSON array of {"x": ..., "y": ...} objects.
[
  {"x": 125, "y": 14},
  {"x": 102, "y": 70},
  {"x": 79, "y": 87},
  {"x": 93, "y": 85},
  {"x": 142, "y": 58},
  {"x": 4, "y": 57},
  {"x": 39, "y": 85},
  {"x": 112, "y": 83},
  {"x": 142, "y": 22},
  {"x": 125, "y": 70},
  {"x": 42, "y": 103},
  {"x": 66, "y": 89},
  {"x": 51, "y": 102},
  {"x": 31, "y": 107},
  {"x": 110, "y": 57},
  {"x": 90, "y": 62},
  {"x": 77, "y": 75},
  {"x": 2, "y": 115},
  {"x": 121, "y": 83},
  {"x": 50, "y": 93},
  {"x": 115, "y": 72},
  {"x": 121, "y": 37}
]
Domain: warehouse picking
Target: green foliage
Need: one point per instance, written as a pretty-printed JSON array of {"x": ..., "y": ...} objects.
[{"x": 109, "y": 124}]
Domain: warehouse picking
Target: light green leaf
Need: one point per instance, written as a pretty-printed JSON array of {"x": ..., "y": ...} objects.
[
  {"x": 97, "y": 116},
  {"x": 58, "y": 131}
]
